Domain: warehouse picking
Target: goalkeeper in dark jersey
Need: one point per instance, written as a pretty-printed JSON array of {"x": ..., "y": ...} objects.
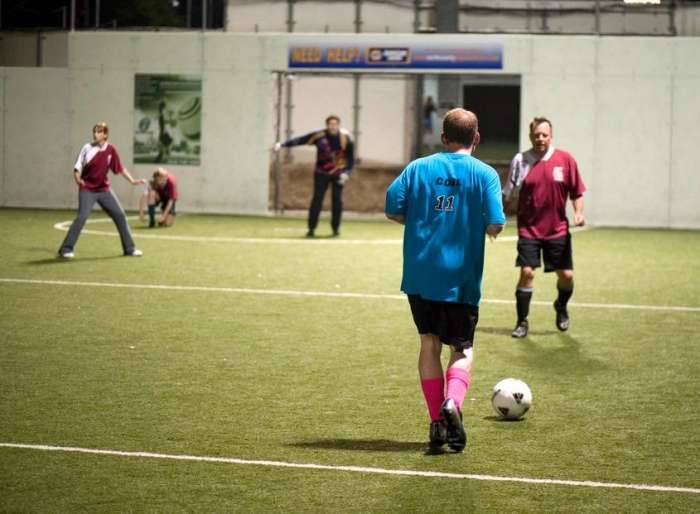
[{"x": 334, "y": 163}]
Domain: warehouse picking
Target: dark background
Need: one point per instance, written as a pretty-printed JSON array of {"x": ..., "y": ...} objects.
[{"x": 55, "y": 14}]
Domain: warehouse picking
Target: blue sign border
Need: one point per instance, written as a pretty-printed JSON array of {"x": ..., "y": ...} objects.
[{"x": 346, "y": 55}]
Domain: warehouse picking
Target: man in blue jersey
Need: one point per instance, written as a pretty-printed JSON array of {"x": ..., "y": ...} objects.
[{"x": 448, "y": 203}]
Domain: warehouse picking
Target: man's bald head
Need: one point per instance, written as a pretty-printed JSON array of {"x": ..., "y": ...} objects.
[{"x": 460, "y": 126}]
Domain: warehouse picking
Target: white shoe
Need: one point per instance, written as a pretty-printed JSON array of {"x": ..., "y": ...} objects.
[
  {"x": 135, "y": 253},
  {"x": 67, "y": 255}
]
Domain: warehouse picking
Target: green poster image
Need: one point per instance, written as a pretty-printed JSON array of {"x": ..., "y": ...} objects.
[{"x": 168, "y": 119}]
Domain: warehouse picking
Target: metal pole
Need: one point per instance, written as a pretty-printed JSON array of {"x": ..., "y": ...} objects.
[
  {"x": 672, "y": 19},
  {"x": 290, "y": 15},
  {"x": 278, "y": 132},
  {"x": 358, "y": 16},
  {"x": 416, "y": 15},
  {"x": 356, "y": 89},
  {"x": 204, "y": 14},
  {"x": 597, "y": 17},
  {"x": 189, "y": 14},
  {"x": 417, "y": 147},
  {"x": 39, "y": 49},
  {"x": 356, "y": 114},
  {"x": 289, "y": 98},
  {"x": 97, "y": 14},
  {"x": 288, "y": 107},
  {"x": 72, "y": 15}
]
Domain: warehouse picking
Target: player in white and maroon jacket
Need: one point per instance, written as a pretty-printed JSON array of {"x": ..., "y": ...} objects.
[
  {"x": 546, "y": 178},
  {"x": 90, "y": 172}
]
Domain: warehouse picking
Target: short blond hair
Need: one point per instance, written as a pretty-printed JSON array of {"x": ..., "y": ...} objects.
[
  {"x": 160, "y": 172},
  {"x": 101, "y": 127}
]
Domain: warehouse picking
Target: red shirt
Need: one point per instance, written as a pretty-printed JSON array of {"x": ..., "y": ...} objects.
[
  {"x": 94, "y": 163},
  {"x": 168, "y": 190},
  {"x": 544, "y": 190}
]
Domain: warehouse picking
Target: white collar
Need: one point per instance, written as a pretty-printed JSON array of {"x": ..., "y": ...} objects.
[{"x": 548, "y": 154}]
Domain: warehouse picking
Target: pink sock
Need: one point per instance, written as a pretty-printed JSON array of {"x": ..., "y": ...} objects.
[
  {"x": 434, "y": 392},
  {"x": 457, "y": 384}
]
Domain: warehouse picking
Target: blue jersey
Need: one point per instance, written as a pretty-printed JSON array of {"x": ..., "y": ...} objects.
[{"x": 447, "y": 199}]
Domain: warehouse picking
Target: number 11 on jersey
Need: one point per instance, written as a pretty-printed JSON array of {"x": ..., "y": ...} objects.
[{"x": 444, "y": 203}]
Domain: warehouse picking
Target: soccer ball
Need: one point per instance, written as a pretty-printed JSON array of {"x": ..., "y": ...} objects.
[{"x": 511, "y": 398}]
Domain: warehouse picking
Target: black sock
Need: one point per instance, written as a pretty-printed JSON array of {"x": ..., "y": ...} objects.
[
  {"x": 152, "y": 215},
  {"x": 564, "y": 295},
  {"x": 522, "y": 303}
]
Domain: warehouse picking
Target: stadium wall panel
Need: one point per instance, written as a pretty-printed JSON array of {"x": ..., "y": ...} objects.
[{"x": 625, "y": 107}]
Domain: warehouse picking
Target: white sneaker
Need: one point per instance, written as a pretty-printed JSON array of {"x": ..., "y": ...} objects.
[
  {"x": 135, "y": 253},
  {"x": 67, "y": 255}
]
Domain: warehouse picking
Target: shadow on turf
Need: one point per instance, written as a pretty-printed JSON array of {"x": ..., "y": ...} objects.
[
  {"x": 57, "y": 260},
  {"x": 562, "y": 353},
  {"x": 362, "y": 445},
  {"x": 504, "y": 331},
  {"x": 499, "y": 419}
]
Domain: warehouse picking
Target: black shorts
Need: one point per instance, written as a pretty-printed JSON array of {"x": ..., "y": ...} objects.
[
  {"x": 556, "y": 253},
  {"x": 454, "y": 323},
  {"x": 164, "y": 203}
]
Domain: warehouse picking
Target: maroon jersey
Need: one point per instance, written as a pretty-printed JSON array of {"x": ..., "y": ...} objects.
[
  {"x": 167, "y": 191},
  {"x": 94, "y": 163},
  {"x": 545, "y": 185}
]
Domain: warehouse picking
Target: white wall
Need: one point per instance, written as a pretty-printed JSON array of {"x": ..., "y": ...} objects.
[
  {"x": 36, "y": 160},
  {"x": 626, "y": 108},
  {"x": 380, "y": 98},
  {"x": 58, "y": 108}
]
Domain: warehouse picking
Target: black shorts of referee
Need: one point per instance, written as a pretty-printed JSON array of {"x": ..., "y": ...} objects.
[{"x": 556, "y": 253}]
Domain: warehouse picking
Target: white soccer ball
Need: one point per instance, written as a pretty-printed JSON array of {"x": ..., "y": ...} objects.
[{"x": 511, "y": 398}]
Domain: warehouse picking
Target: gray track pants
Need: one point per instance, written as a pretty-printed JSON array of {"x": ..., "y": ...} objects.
[{"x": 109, "y": 203}]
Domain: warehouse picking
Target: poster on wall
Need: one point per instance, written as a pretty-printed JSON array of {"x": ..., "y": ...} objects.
[{"x": 168, "y": 119}]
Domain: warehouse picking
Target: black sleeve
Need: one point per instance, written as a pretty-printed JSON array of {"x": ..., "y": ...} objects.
[{"x": 302, "y": 140}]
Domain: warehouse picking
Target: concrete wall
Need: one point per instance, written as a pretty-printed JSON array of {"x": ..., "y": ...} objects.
[
  {"x": 384, "y": 97},
  {"x": 34, "y": 49},
  {"x": 318, "y": 16},
  {"x": 49, "y": 112},
  {"x": 377, "y": 16},
  {"x": 626, "y": 108}
]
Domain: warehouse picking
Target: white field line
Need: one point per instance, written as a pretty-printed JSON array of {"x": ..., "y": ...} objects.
[
  {"x": 328, "y": 294},
  {"x": 65, "y": 225},
  {"x": 356, "y": 469}
]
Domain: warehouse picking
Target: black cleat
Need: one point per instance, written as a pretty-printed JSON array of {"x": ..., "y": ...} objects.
[
  {"x": 336, "y": 232},
  {"x": 562, "y": 321},
  {"x": 456, "y": 436},
  {"x": 310, "y": 233},
  {"x": 438, "y": 436},
  {"x": 520, "y": 330}
]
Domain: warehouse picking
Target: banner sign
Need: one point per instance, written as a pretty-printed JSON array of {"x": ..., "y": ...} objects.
[
  {"x": 345, "y": 54},
  {"x": 168, "y": 119}
]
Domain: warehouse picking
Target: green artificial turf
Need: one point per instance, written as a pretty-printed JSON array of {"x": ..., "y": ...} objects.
[{"x": 225, "y": 369}]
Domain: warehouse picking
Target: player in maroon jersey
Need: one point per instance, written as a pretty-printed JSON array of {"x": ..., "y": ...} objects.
[
  {"x": 162, "y": 189},
  {"x": 546, "y": 177},
  {"x": 90, "y": 173}
]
